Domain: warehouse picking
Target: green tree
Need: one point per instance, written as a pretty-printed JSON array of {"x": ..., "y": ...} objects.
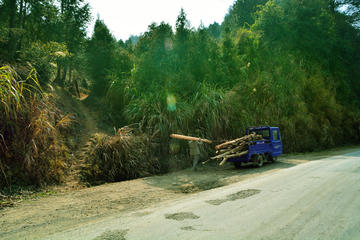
[
  {"x": 155, "y": 57},
  {"x": 215, "y": 30},
  {"x": 74, "y": 15},
  {"x": 228, "y": 57},
  {"x": 182, "y": 35},
  {"x": 100, "y": 55},
  {"x": 241, "y": 13}
]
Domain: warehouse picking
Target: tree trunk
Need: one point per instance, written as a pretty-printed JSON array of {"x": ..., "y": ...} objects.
[
  {"x": 63, "y": 77},
  {"x": 70, "y": 73},
  {"x": 58, "y": 75}
]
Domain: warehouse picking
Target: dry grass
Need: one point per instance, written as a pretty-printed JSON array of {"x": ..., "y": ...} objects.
[
  {"x": 31, "y": 147},
  {"x": 127, "y": 155}
]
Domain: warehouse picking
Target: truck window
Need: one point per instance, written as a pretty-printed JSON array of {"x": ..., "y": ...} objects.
[
  {"x": 266, "y": 133},
  {"x": 275, "y": 135}
]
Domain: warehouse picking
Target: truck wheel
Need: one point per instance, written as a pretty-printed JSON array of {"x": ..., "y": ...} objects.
[
  {"x": 259, "y": 161},
  {"x": 237, "y": 164}
]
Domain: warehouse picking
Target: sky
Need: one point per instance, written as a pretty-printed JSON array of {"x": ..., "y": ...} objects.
[{"x": 132, "y": 17}]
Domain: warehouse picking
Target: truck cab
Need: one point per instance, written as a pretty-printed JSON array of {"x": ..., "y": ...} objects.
[{"x": 262, "y": 150}]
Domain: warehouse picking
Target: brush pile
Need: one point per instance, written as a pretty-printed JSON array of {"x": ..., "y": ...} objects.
[
  {"x": 234, "y": 148},
  {"x": 125, "y": 156}
]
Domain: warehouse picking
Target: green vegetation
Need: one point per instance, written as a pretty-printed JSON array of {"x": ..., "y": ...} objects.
[
  {"x": 31, "y": 150},
  {"x": 292, "y": 64}
]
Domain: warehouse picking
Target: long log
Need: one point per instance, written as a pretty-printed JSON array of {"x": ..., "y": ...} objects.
[
  {"x": 225, "y": 144},
  {"x": 231, "y": 156},
  {"x": 236, "y": 141},
  {"x": 221, "y": 155},
  {"x": 207, "y": 161},
  {"x": 178, "y": 136},
  {"x": 239, "y": 148}
]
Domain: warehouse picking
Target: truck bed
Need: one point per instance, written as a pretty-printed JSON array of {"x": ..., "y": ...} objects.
[{"x": 255, "y": 147}]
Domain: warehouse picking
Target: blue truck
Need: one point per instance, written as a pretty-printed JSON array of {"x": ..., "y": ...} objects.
[{"x": 262, "y": 150}]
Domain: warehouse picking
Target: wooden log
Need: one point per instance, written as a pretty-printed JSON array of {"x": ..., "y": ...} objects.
[
  {"x": 178, "y": 136},
  {"x": 226, "y": 144},
  {"x": 239, "y": 148},
  {"x": 237, "y": 154},
  {"x": 236, "y": 141},
  {"x": 207, "y": 161},
  {"x": 221, "y": 155},
  {"x": 223, "y": 161},
  {"x": 221, "y": 151},
  {"x": 233, "y": 155}
]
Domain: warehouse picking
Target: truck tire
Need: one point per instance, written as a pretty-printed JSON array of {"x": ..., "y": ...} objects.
[{"x": 259, "y": 161}]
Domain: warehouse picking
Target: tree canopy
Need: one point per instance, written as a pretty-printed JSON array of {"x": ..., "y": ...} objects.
[{"x": 292, "y": 64}]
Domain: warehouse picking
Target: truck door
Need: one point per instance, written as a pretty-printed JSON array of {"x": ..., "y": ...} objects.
[{"x": 277, "y": 145}]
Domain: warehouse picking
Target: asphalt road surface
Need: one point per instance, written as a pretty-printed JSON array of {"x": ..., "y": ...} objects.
[{"x": 315, "y": 200}]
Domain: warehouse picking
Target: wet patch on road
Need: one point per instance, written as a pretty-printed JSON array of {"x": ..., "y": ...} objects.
[
  {"x": 239, "y": 195},
  {"x": 189, "y": 228},
  {"x": 197, "y": 186},
  {"x": 181, "y": 216},
  {"x": 113, "y": 235}
]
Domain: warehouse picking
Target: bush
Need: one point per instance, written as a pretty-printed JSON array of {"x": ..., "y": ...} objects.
[
  {"x": 127, "y": 155},
  {"x": 31, "y": 148},
  {"x": 44, "y": 58}
]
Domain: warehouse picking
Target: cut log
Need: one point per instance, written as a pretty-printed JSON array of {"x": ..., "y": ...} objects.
[
  {"x": 233, "y": 155},
  {"x": 237, "y": 154},
  {"x": 234, "y": 148},
  {"x": 246, "y": 138},
  {"x": 242, "y": 146},
  {"x": 223, "y": 161},
  {"x": 207, "y": 161},
  {"x": 178, "y": 136},
  {"x": 221, "y": 155},
  {"x": 221, "y": 151}
]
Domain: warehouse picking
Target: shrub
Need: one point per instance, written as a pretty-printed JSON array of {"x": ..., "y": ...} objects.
[
  {"x": 127, "y": 155},
  {"x": 31, "y": 149}
]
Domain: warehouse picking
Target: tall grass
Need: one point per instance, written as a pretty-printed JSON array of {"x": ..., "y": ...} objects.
[
  {"x": 212, "y": 112},
  {"x": 152, "y": 113},
  {"x": 31, "y": 149}
]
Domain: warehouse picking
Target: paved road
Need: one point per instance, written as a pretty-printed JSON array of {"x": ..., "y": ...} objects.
[{"x": 315, "y": 200}]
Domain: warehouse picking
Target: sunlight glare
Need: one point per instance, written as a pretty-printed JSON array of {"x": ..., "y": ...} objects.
[{"x": 171, "y": 102}]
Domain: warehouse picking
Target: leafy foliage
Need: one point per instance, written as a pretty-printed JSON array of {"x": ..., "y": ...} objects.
[
  {"x": 44, "y": 58},
  {"x": 291, "y": 64}
]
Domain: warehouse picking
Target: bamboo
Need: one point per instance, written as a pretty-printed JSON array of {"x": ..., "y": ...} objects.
[{"x": 189, "y": 138}]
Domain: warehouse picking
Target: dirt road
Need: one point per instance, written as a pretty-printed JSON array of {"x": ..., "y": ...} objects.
[{"x": 316, "y": 200}]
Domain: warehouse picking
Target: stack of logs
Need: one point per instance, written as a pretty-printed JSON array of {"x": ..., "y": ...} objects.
[{"x": 234, "y": 148}]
